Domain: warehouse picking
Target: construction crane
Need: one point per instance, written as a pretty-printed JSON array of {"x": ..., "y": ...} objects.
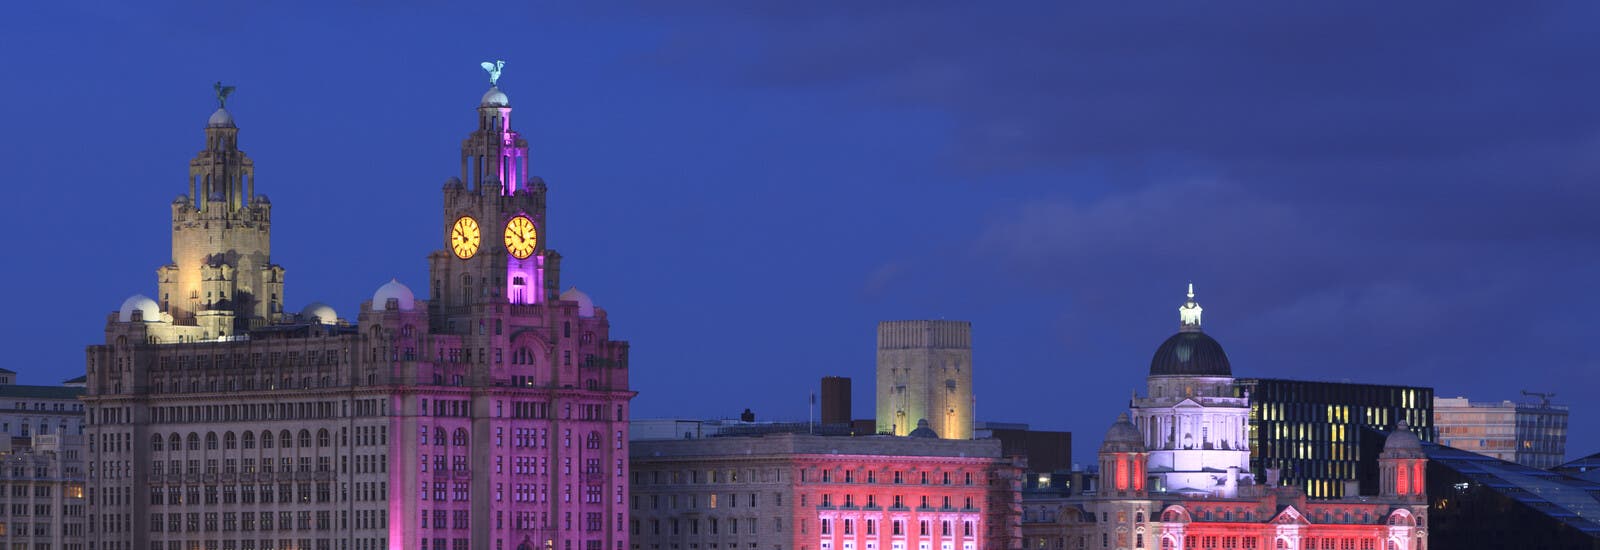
[{"x": 1544, "y": 397}]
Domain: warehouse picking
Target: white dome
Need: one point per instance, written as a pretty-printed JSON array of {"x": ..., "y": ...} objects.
[
  {"x": 585, "y": 304},
  {"x": 318, "y": 312},
  {"x": 142, "y": 304},
  {"x": 495, "y": 98},
  {"x": 396, "y": 291},
  {"x": 220, "y": 118}
]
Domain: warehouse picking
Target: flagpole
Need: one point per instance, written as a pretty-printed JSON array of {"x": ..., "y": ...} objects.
[{"x": 811, "y": 414}]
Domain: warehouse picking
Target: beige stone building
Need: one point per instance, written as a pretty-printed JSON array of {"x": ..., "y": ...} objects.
[
  {"x": 41, "y": 494},
  {"x": 806, "y": 492},
  {"x": 925, "y": 373}
]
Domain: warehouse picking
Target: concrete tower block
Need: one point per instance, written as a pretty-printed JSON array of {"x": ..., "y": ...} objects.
[{"x": 925, "y": 372}]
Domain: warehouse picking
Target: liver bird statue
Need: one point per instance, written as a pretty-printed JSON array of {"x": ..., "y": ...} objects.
[
  {"x": 494, "y": 69},
  {"x": 222, "y": 94}
]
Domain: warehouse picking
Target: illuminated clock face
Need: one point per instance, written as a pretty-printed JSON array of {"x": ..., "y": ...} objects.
[
  {"x": 521, "y": 237},
  {"x": 464, "y": 237}
]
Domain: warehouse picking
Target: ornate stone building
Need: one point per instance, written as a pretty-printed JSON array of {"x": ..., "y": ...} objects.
[
  {"x": 492, "y": 415},
  {"x": 41, "y": 493},
  {"x": 808, "y": 492},
  {"x": 1174, "y": 475},
  {"x": 925, "y": 373}
]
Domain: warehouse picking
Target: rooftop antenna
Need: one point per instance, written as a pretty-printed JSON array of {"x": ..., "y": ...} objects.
[{"x": 1544, "y": 397}]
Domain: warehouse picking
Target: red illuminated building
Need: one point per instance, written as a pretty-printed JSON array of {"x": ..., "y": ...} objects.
[{"x": 803, "y": 492}]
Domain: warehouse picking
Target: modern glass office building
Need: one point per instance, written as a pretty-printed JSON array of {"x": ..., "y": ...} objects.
[
  {"x": 1531, "y": 434},
  {"x": 1310, "y": 432}
]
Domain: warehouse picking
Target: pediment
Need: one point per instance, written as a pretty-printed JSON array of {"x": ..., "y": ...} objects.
[{"x": 1289, "y": 516}]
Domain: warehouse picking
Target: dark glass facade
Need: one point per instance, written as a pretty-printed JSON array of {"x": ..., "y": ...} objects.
[
  {"x": 1311, "y": 432},
  {"x": 1481, "y": 502}
]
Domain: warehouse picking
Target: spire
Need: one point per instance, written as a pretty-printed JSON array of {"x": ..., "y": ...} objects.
[{"x": 1189, "y": 313}]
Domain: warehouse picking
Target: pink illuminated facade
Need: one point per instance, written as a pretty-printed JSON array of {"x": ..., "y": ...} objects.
[
  {"x": 492, "y": 415},
  {"x": 807, "y": 492}
]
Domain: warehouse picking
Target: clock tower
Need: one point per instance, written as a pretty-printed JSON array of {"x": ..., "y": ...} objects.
[{"x": 493, "y": 225}]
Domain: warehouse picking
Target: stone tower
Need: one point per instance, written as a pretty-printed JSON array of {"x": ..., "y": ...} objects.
[
  {"x": 221, "y": 278},
  {"x": 492, "y": 191},
  {"x": 925, "y": 373}
]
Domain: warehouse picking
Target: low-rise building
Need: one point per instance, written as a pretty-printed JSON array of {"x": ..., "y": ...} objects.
[
  {"x": 1046, "y": 450},
  {"x": 785, "y": 491}
]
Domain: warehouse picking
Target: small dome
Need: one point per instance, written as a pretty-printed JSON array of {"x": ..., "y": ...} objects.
[
  {"x": 221, "y": 118},
  {"x": 396, "y": 291},
  {"x": 147, "y": 308},
  {"x": 1190, "y": 353},
  {"x": 318, "y": 312},
  {"x": 1402, "y": 441},
  {"x": 453, "y": 183},
  {"x": 585, "y": 305},
  {"x": 495, "y": 98},
  {"x": 923, "y": 430},
  {"x": 1123, "y": 437}
]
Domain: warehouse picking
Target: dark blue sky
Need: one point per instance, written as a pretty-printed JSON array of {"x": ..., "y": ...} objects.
[{"x": 1386, "y": 193}]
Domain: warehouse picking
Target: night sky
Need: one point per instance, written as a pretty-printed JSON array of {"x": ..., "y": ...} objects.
[{"x": 1390, "y": 192}]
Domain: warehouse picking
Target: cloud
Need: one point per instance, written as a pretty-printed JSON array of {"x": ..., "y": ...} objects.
[{"x": 1381, "y": 192}]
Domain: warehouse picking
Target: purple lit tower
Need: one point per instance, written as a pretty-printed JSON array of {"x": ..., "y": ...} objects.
[
  {"x": 492, "y": 415},
  {"x": 528, "y": 376}
]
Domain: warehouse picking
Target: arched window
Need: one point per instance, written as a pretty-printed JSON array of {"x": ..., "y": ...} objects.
[
  {"x": 305, "y": 438},
  {"x": 1138, "y": 517},
  {"x": 322, "y": 438},
  {"x": 211, "y": 441},
  {"x": 285, "y": 440},
  {"x": 1166, "y": 543},
  {"x": 249, "y": 440},
  {"x": 459, "y": 437},
  {"x": 1281, "y": 545},
  {"x": 194, "y": 441},
  {"x": 229, "y": 442},
  {"x": 593, "y": 442},
  {"x": 438, "y": 436},
  {"x": 174, "y": 443},
  {"x": 156, "y": 442}
]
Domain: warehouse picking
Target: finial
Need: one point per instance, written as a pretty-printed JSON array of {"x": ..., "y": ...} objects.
[
  {"x": 222, "y": 94},
  {"x": 1189, "y": 313},
  {"x": 494, "y": 69}
]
